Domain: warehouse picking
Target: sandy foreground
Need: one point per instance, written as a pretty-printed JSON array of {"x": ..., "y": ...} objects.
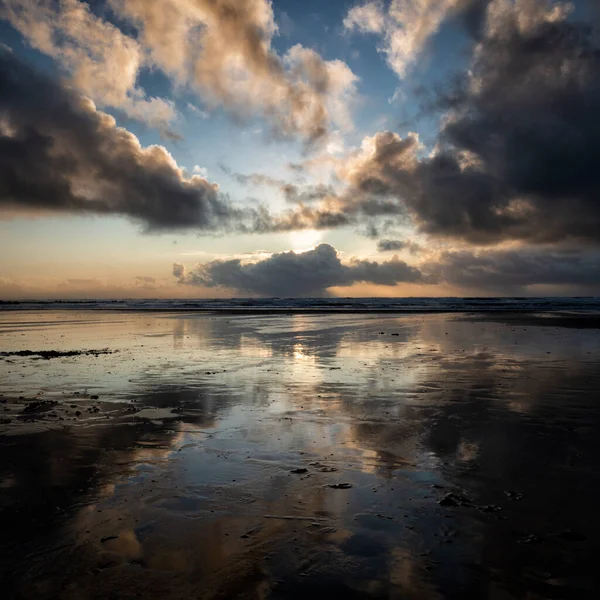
[{"x": 301, "y": 456}]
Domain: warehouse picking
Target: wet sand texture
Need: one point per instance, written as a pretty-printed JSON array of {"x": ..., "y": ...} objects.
[{"x": 304, "y": 456}]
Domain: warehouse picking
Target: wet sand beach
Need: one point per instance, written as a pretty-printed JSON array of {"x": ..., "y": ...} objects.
[{"x": 157, "y": 455}]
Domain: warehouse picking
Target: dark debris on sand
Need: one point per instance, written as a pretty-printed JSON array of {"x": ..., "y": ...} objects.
[
  {"x": 323, "y": 468},
  {"x": 108, "y": 538},
  {"x": 454, "y": 499},
  {"x": 48, "y": 354},
  {"x": 40, "y": 406}
]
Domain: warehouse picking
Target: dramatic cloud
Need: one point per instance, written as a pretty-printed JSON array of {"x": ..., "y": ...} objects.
[
  {"x": 220, "y": 48},
  {"x": 405, "y": 27},
  {"x": 103, "y": 62},
  {"x": 517, "y": 152},
  {"x": 396, "y": 245},
  {"x": 57, "y": 152},
  {"x": 290, "y": 274}
]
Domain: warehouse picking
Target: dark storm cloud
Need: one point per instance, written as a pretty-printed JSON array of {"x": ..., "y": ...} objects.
[
  {"x": 517, "y": 155},
  {"x": 517, "y": 269},
  {"x": 394, "y": 245},
  {"x": 298, "y": 274},
  {"x": 57, "y": 152},
  {"x": 534, "y": 125}
]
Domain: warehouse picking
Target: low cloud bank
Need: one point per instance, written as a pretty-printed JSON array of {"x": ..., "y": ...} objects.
[
  {"x": 312, "y": 273},
  {"x": 291, "y": 274}
]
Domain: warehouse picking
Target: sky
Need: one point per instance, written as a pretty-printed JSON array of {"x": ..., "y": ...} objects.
[{"x": 219, "y": 148}]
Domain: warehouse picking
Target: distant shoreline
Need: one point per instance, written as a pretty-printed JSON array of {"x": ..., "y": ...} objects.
[
  {"x": 580, "y": 305},
  {"x": 269, "y": 310},
  {"x": 521, "y": 316}
]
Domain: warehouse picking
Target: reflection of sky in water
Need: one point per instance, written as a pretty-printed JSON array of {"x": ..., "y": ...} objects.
[
  {"x": 300, "y": 349},
  {"x": 477, "y": 406}
]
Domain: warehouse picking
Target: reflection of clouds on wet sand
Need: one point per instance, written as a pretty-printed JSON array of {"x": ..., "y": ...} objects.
[{"x": 194, "y": 496}]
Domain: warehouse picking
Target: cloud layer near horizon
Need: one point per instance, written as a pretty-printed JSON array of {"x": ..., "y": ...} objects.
[
  {"x": 518, "y": 271},
  {"x": 313, "y": 272},
  {"x": 297, "y": 273}
]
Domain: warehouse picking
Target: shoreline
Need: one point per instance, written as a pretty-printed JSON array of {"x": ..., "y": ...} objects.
[{"x": 414, "y": 454}]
